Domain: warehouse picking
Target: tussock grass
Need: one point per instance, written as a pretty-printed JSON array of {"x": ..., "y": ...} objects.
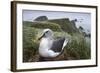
[{"x": 77, "y": 48}]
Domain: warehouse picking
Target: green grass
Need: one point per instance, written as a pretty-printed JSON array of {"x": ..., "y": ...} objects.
[
  {"x": 27, "y": 23},
  {"x": 66, "y": 25},
  {"x": 44, "y": 25},
  {"x": 76, "y": 49},
  {"x": 29, "y": 46}
]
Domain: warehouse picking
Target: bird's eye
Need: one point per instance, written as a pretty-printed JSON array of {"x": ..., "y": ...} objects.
[{"x": 46, "y": 32}]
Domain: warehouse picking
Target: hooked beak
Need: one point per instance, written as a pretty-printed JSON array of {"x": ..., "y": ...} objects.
[{"x": 41, "y": 37}]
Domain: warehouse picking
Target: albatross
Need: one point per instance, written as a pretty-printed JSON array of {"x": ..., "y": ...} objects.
[{"x": 49, "y": 46}]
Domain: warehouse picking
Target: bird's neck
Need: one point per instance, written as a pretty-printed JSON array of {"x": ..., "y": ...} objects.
[{"x": 47, "y": 38}]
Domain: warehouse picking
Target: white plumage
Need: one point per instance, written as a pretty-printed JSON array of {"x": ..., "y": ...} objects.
[{"x": 50, "y": 47}]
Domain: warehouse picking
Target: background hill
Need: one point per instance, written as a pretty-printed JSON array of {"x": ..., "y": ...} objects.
[
  {"x": 66, "y": 25},
  {"x": 55, "y": 24},
  {"x": 41, "y": 18}
]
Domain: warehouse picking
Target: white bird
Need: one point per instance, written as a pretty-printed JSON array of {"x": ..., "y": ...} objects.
[{"x": 50, "y": 47}]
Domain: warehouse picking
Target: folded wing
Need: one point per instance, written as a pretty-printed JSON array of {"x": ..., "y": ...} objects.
[{"x": 58, "y": 44}]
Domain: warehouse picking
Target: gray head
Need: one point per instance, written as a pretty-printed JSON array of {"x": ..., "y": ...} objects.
[{"x": 47, "y": 33}]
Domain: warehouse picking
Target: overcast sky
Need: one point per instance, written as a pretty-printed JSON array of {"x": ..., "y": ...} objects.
[{"x": 84, "y": 19}]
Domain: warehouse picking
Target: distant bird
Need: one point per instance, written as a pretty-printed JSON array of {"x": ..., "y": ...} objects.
[{"x": 50, "y": 47}]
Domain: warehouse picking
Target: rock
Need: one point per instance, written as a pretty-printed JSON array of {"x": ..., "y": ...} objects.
[{"x": 41, "y": 18}]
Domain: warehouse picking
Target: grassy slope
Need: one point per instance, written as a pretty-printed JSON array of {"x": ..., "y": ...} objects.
[
  {"x": 76, "y": 48},
  {"x": 66, "y": 25}
]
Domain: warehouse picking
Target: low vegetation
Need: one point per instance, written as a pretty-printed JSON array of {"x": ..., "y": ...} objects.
[{"x": 76, "y": 49}]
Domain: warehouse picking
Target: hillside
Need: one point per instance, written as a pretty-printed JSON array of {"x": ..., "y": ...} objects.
[
  {"x": 55, "y": 24},
  {"x": 66, "y": 25},
  {"x": 77, "y": 48},
  {"x": 46, "y": 24}
]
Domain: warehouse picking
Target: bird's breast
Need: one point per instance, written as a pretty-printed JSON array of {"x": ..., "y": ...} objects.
[{"x": 45, "y": 45}]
